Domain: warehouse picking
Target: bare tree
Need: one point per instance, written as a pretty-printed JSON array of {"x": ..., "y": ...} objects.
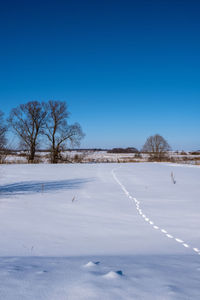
[
  {"x": 2, "y": 132},
  {"x": 57, "y": 130},
  {"x": 2, "y": 137},
  {"x": 157, "y": 146},
  {"x": 27, "y": 120}
]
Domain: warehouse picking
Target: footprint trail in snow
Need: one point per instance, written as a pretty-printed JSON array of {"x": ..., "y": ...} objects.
[{"x": 148, "y": 220}]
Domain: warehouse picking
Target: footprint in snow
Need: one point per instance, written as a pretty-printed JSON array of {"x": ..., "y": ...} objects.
[
  {"x": 18, "y": 268},
  {"x": 41, "y": 272}
]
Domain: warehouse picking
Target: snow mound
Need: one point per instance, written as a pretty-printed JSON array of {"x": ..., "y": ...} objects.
[
  {"x": 113, "y": 274},
  {"x": 91, "y": 264}
]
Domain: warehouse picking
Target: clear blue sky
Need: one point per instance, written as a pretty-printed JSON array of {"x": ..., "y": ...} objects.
[{"x": 127, "y": 69}]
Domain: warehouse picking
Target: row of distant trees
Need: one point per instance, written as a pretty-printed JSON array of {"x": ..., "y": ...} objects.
[
  {"x": 35, "y": 120},
  {"x": 155, "y": 145}
]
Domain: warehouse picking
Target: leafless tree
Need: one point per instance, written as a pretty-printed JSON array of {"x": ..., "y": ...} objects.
[
  {"x": 58, "y": 131},
  {"x": 27, "y": 120},
  {"x": 157, "y": 146},
  {"x": 2, "y": 132},
  {"x": 2, "y": 137}
]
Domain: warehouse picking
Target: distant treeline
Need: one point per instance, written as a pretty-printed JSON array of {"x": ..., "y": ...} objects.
[
  {"x": 36, "y": 123},
  {"x": 123, "y": 150}
]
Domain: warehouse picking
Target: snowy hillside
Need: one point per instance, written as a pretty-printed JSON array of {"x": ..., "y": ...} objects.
[{"x": 99, "y": 231}]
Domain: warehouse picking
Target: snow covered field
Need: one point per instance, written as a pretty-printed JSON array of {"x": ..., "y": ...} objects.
[
  {"x": 91, "y": 156},
  {"x": 99, "y": 231}
]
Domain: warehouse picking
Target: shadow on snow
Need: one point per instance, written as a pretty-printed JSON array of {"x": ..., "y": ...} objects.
[{"x": 32, "y": 187}]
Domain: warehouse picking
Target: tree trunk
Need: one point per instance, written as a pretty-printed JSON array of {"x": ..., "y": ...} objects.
[
  {"x": 54, "y": 156},
  {"x": 32, "y": 154}
]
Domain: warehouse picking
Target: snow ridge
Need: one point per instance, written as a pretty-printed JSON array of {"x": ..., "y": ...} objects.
[{"x": 148, "y": 220}]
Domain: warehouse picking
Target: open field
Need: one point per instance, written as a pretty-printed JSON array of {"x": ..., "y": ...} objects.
[
  {"x": 99, "y": 231},
  {"x": 91, "y": 156}
]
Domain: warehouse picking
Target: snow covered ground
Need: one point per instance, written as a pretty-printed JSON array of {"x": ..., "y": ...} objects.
[
  {"x": 99, "y": 231},
  {"x": 91, "y": 156}
]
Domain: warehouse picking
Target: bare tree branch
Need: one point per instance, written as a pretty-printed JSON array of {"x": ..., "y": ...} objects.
[
  {"x": 3, "y": 140},
  {"x": 57, "y": 130},
  {"x": 27, "y": 121},
  {"x": 157, "y": 146}
]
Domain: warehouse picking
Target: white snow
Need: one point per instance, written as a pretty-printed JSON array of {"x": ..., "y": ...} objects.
[
  {"x": 113, "y": 274},
  {"x": 91, "y": 264},
  {"x": 66, "y": 229}
]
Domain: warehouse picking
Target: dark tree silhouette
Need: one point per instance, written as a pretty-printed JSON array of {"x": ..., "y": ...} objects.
[
  {"x": 3, "y": 141},
  {"x": 2, "y": 132},
  {"x": 58, "y": 131},
  {"x": 27, "y": 121},
  {"x": 157, "y": 146}
]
